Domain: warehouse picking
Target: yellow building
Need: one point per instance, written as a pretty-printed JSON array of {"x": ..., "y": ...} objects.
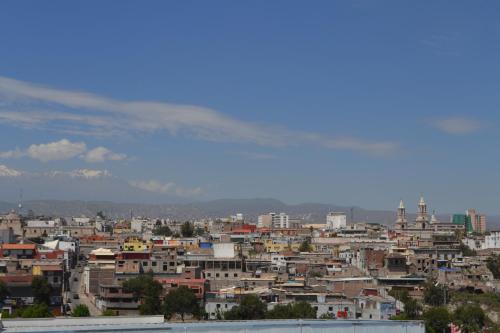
[{"x": 136, "y": 245}]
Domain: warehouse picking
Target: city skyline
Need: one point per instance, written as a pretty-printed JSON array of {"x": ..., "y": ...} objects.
[{"x": 347, "y": 104}]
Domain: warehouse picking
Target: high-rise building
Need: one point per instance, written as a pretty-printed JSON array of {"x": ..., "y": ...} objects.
[
  {"x": 477, "y": 221},
  {"x": 277, "y": 221},
  {"x": 462, "y": 219}
]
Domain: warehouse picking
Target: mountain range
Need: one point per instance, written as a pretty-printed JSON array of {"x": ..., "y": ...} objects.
[{"x": 250, "y": 208}]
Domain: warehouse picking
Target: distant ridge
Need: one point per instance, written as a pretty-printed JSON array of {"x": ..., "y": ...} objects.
[{"x": 251, "y": 208}]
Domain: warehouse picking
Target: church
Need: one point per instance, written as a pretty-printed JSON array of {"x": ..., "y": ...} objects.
[{"x": 422, "y": 227}]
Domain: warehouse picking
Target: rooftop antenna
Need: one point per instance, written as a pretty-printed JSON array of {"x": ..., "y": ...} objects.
[{"x": 20, "y": 204}]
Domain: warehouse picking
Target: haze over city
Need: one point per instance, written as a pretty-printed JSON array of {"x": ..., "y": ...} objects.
[{"x": 347, "y": 103}]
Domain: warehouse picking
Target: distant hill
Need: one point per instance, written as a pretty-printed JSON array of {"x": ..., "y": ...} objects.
[{"x": 251, "y": 208}]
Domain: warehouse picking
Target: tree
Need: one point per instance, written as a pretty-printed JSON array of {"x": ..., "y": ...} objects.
[
  {"x": 299, "y": 310},
  {"x": 437, "y": 320},
  {"x": 250, "y": 308},
  {"x": 305, "y": 246},
  {"x": 436, "y": 295},
  {"x": 412, "y": 309},
  {"x": 493, "y": 264},
  {"x": 199, "y": 231},
  {"x": 470, "y": 318},
  {"x": 467, "y": 251},
  {"x": 181, "y": 301},
  {"x": 41, "y": 290},
  {"x": 148, "y": 290},
  {"x": 4, "y": 291},
  {"x": 35, "y": 311},
  {"x": 162, "y": 231},
  {"x": 109, "y": 313},
  {"x": 187, "y": 229},
  {"x": 81, "y": 310}
]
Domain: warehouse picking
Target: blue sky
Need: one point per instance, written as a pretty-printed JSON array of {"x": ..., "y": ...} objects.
[{"x": 352, "y": 102}]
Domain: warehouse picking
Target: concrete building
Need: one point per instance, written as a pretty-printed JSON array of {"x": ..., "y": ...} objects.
[
  {"x": 336, "y": 220},
  {"x": 273, "y": 220}
]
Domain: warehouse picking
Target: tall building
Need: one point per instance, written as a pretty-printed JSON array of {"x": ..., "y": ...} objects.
[
  {"x": 462, "y": 219},
  {"x": 336, "y": 220},
  {"x": 276, "y": 221},
  {"x": 477, "y": 221}
]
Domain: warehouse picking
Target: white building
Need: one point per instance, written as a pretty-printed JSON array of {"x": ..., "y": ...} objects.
[{"x": 336, "y": 220}]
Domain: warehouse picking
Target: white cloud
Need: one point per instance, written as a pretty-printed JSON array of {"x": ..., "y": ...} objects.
[
  {"x": 27, "y": 106},
  {"x": 64, "y": 150},
  {"x": 17, "y": 153},
  {"x": 89, "y": 173},
  {"x": 166, "y": 188},
  {"x": 457, "y": 125},
  {"x": 101, "y": 154},
  {"x": 56, "y": 151},
  {"x": 79, "y": 173},
  {"x": 7, "y": 172}
]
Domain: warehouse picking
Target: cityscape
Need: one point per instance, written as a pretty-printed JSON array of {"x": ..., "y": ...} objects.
[{"x": 282, "y": 166}]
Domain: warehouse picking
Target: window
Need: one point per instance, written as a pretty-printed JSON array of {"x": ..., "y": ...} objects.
[
  {"x": 226, "y": 275},
  {"x": 216, "y": 274},
  {"x": 235, "y": 274}
]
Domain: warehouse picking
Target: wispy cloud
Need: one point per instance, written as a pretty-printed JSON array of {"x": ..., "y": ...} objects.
[
  {"x": 32, "y": 106},
  {"x": 255, "y": 155},
  {"x": 457, "y": 125},
  {"x": 444, "y": 44},
  {"x": 101, "y": 154},
  {"x": 64, "y": 150},
  {"x": 166, "y": 188}
]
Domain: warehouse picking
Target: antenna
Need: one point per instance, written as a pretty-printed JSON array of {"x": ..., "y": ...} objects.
[{"x": 20, "y": 205}]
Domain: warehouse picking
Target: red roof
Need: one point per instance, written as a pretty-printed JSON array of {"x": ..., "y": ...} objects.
[{"x": 18, "y": 247}]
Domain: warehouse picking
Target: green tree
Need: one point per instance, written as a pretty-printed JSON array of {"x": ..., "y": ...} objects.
[
  {"x": 412, "y": 309},
  {"x": 163, "y": 230},
  {"x": 199, "y": 231},
  {"x": 493, "y": 264},
  {"x": 306, "y": 246},
  {"x": 81, "y": 310},
  {"x": 467, "y": 251},
  {"x": 298, "y": 310},
  {"x": 181, "y": 301},
  {"x": 109, "y": 313},
  {"x": 4, "y": 291},
  {"x": 436, "y": 295},
  {"x": 327, "y": 316},
  {"x": 187, "y": 229},
  {"x": 41, "y": 290},
  {"x": 35, "y": 311},
  {"x": 437, "y": 320},
  {"x": 250, "y": 308},
  {"x": 470, "y": 317},
  {"x": 148, "y": 290}
]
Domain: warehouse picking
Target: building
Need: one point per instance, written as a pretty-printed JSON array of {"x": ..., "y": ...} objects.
[
  {"x": 273, "y": 220},
  {"x": 478, "y": 221},
  {"x": 336, "y": 220},
  {"x": 12, "y": 221}
]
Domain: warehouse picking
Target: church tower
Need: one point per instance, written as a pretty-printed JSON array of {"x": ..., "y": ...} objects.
[
  {"x": 401, "y": 222},
  {"x": 422, "y": 218}
]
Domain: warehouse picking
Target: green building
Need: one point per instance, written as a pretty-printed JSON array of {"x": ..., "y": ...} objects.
[{"x": 463, "y": 219}]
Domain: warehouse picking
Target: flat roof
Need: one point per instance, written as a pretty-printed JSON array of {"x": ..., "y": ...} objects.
[{"x": 157, "y": 324}]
